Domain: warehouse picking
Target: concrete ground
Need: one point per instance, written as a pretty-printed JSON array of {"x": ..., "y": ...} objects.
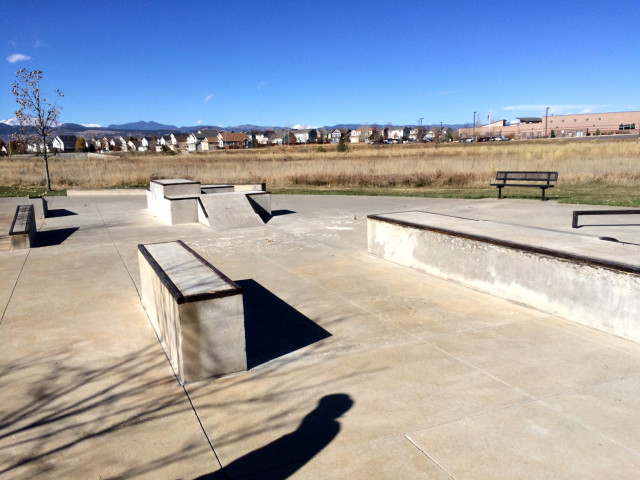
[{"x": 359, "y": 368}]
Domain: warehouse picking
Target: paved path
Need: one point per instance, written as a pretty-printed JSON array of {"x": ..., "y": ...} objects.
[{"x": 359, "y": 368}]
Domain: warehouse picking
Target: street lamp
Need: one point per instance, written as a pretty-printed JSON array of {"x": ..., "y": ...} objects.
[
  {"x": 546, "y": 116},
  {"x": 474, "y": 126}
]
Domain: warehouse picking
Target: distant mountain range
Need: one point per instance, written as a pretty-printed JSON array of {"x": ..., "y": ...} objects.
[
  {"x": 143, "y": 126},
  {"x": 10, "y": 126}
]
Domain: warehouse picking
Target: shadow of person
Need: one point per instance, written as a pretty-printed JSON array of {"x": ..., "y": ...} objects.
[{"x": 284, "y": 456}]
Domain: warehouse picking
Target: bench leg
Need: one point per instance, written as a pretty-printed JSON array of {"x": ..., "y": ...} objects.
[
  {"x": 544, "y": 189},
  {"x": 499, "y": 192},
  {"x": 574, "y": 223}
]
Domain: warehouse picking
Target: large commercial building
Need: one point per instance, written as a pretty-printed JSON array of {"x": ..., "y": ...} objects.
[{"x": 579, "y": 125}]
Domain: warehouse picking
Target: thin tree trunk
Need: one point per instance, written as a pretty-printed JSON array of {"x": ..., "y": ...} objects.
[{"x": 46, "y": 170}]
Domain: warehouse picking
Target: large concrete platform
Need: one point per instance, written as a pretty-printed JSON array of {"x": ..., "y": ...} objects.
[
  {"x": 358, "y": 367},
  {"x": 556, "y": 272}
]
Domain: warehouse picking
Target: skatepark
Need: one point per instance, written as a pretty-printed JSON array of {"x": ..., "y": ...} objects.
[{"x": 359, "y": 363}]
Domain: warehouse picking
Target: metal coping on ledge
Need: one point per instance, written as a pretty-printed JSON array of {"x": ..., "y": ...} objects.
[
  {"x": 175, "y": 291},
  {"x": 608, "y": 264},
  {"x": 177, "y": 182},
  {"x": 15, "y": 218}
]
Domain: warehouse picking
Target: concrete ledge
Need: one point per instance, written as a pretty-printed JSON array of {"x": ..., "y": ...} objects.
[
  {"x": 196, "y": 311},
  {"x": 23, "y": 228},
  {"x": 583, "y": 279},
  {"x": 107, "y": 192},
  {"x": 40, "y": 206},
  {"x": 217, "y": 188}
]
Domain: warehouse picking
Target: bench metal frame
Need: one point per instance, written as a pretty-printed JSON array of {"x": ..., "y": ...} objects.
[
  {"x": 544, "y": 180},
  {"x": 577, "y": 213}
]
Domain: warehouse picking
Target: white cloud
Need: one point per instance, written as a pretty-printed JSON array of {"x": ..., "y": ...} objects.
[
  {"x": 199, "y": 122},
  {"x": 39, "y": 44},
  {"x": 209, "y": 97},
  {"x": 17, "y": 57},
  {"x": 12, "y": 43},
  {"x": 447, "y": 92},
  {"x": 261, "y": 85}
]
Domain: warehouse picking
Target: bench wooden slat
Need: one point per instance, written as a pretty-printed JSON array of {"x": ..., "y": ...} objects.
[{"x": 544, "y": 180}]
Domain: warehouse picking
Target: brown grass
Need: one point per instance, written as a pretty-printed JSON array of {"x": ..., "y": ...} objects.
[{"x": 614, "y": 162}]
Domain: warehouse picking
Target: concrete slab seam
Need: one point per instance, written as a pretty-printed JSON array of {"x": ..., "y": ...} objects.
[
  {"x": 204, "y": 430},
  {"x": 428, "y": 456},
  {"x": 374, "y": 314},
  {"x": 118, "y": 251},
  {"x": 14, "y": 286},
  {"x": 577, "y": 421},
  {"x": 578, "y": 336}
]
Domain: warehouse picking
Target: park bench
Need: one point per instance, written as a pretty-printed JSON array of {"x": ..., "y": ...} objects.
[
  {"x": 577, "y": 213},
  {"x": 540, "y": 180},
  {"x": 196, "y": 311},
  {"x": 23, "y": 228}
]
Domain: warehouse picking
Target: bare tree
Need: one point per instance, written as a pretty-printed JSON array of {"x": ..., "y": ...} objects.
[{"x": 37, "y": 115}]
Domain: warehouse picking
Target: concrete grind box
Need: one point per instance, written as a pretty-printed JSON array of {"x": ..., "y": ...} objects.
[
  {"x": 196, "y": 311},
  {"x": 598, "y": 294}
]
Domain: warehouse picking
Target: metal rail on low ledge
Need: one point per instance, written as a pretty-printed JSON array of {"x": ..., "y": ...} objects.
[{"x": 577, "y": 213}]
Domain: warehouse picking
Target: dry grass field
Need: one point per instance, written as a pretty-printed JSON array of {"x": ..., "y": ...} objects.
[{"x": 607, "y": 171}]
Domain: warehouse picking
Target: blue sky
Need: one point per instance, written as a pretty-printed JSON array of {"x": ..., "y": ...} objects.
[{"x": 322, "y": 63}]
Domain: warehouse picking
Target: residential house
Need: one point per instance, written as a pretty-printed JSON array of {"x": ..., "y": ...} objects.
[
  {"x": 37, "y": 147},
  {"x": 339, "y": 134},
  {"x": 206, "y": 144},
  {"x": 262, "y": 138},
  {"x": 276, "y": 137},
  {"x": 398, "y": 134},
  {"x": 120, "y": 142},
  {"x": 233, "y": 140},
  {"x": 306, "y": 135},
  {"x": 132, "y": 144},
  {"x": 163, "y": 142},
  {"x": 208, "y": 132},
  {"x": 192, "y": 142},
  {"x": 324, "y": 135},
  {"x": 64, "y": 143},
  {"x": 364, "y": 134},
  {"x": 147, "y": 143},
  {"x": 179, "y": 142}
]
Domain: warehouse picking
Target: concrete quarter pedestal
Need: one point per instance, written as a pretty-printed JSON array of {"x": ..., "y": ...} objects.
[
  {"x": 196, "y": 311},
  {"x": 180, "y": 212}
]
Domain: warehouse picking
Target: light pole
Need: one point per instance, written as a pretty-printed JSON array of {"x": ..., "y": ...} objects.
[
  {"x": 474, "y": 126},
  {"x": 546, "y": 116}
]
